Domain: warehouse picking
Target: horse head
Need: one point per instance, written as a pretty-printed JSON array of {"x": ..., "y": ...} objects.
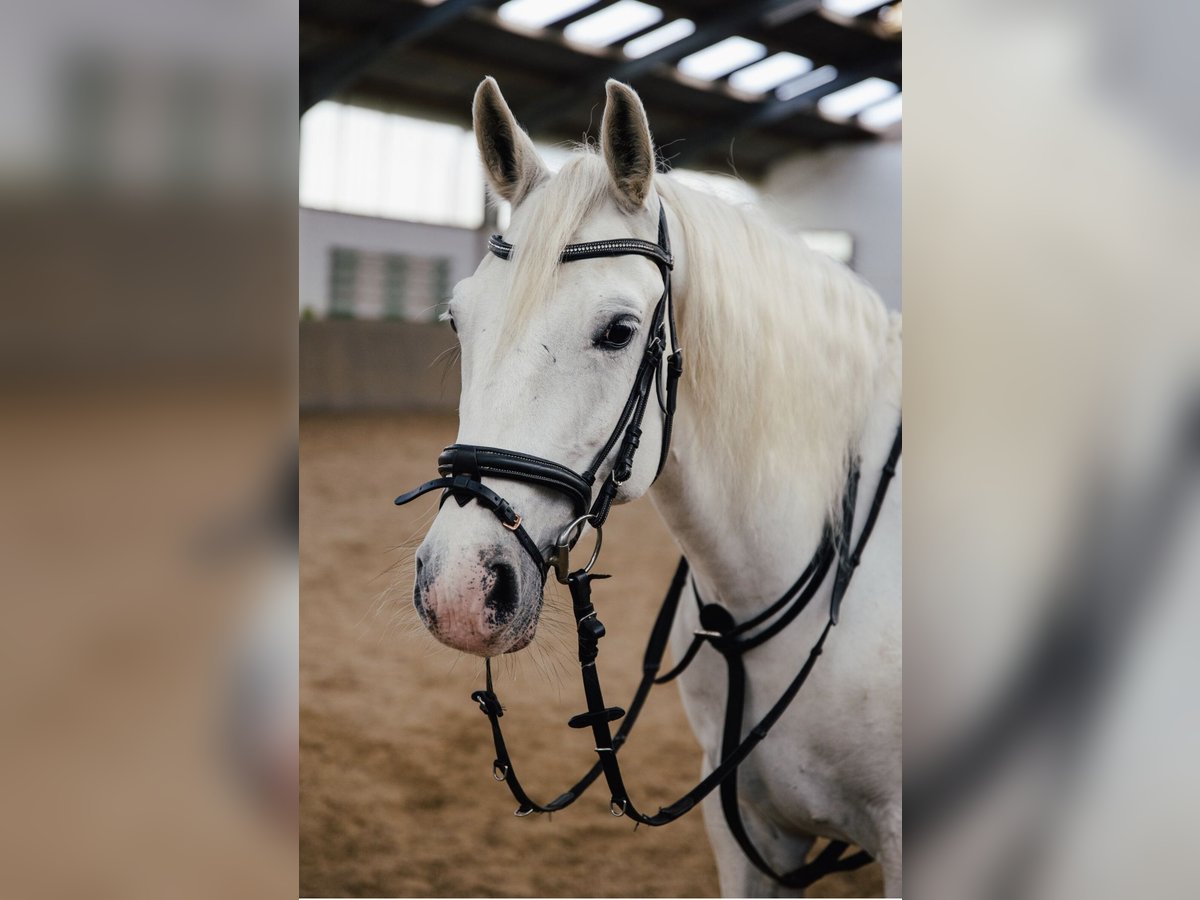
[{"x": 549, "y": 353}]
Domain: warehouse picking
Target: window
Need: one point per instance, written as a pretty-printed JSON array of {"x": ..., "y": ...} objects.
[
  {"x": 343, "y": 282},
  {"x": 367, "y": 285},
  {"x": 369, "y": 162}
]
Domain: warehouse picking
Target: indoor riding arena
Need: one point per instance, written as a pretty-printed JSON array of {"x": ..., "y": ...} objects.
[{"x": 795, "y": 107}]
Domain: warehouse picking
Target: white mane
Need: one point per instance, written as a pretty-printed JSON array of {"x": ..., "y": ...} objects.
[{"x": 784, "y": 347}]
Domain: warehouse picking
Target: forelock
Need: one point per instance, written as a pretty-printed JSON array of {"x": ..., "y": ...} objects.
[{"x": 549, "y": 218}]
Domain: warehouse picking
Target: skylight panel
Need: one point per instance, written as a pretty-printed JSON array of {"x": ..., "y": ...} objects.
[
  {"x": 770, "y": 73},
  {"x": 540, "y": 13},
  {"x": 850, "y": 7},
  {"x": 721, "y": 58},
  {"x": 882, "y": 115},
  {"x": 806, "y": 83},
  {"x": 658, "y": 38},
  {"x": 612, "y": 23},
  {"x": 850, "y": 101}
]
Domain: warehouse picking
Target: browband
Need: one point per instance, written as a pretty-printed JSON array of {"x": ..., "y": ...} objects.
[
  {"x": 594, "y": 250},
  {"x": 660, "y": 253}
]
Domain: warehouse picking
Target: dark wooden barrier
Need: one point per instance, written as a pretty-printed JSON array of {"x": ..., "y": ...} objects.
[{"x": 355, "y": 365}]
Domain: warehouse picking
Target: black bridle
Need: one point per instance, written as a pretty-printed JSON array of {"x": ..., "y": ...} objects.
[{"x": 462, "y": 468}]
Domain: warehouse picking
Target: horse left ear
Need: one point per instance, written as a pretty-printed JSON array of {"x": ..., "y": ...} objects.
[
  {"x": 628, "y": 149},
  {"x": 512, "y": 164}
]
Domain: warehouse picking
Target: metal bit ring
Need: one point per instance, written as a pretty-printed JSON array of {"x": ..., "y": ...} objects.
[{"x": 560, "y": 556}]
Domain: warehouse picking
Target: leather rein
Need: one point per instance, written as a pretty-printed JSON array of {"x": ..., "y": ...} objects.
[{"x": 462, "y": 467}]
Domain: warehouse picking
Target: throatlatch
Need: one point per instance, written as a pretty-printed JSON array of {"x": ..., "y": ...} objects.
[{"x": 463, "y": 467}]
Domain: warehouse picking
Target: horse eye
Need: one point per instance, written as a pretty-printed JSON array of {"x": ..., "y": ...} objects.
[
  {"x": 453, "y": 327},
  {"x": 619, "y": 333}
]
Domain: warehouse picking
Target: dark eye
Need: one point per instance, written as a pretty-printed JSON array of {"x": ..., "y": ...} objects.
[
  {"x": 450, "y": 319},
  {"x": 618, "y": 333}
]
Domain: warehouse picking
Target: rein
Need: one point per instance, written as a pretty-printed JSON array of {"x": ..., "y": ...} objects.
[{"x": 462, "y": 468}]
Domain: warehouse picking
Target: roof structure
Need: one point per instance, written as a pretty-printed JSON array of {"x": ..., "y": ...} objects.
[{"x": 754, "y": 97}]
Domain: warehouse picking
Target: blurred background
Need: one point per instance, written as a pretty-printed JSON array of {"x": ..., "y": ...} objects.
[
  {"x": 795, "y": 106},
  {"x": 1052, "y": 517}
]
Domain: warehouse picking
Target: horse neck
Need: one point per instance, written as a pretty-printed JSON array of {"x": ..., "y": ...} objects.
[
  {"x": 747, "y": 539},
  {"x": 745, "y": 546}
]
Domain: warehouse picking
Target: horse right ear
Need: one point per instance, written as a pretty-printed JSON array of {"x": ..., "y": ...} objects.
[
  {"x": 512, "y": 163},
  {"x": 627, "y": 145}
]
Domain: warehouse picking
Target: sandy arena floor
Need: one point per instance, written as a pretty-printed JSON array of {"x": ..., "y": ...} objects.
[{"x": 397, "y": 797}]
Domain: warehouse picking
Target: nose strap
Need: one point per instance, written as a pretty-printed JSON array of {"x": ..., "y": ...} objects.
[
  {"x": 463, "y": 467},
  {"x": 467, "y": 459},
  {"x": 464, "y": 489}
]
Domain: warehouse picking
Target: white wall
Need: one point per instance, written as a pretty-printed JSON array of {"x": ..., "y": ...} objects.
[
  {"x": 320, "y": 230},
  {"x": 851, "y": 187}
]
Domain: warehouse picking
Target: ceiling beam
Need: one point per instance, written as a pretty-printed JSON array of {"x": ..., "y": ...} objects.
[
  {"x": 323, "y": 77},
  {"x": 774, "y": 110},
  {"x": 645, "y": 29},
  {"x": 560, "y": 24},
  {"x": 718, "y": 28}
]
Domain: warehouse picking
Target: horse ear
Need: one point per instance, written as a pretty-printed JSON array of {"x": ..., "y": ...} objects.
[
  {"x": 509, "y": 157},
  {"x": 628, "y": 149}
]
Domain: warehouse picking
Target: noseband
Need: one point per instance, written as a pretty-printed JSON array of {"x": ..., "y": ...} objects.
[{"x": 463, "y": 467}]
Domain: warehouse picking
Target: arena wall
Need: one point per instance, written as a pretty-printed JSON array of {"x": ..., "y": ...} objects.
[{"x": 348, "y": 364}]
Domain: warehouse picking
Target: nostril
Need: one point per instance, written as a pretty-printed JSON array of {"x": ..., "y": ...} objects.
[
  {"x": 501, "y": 599},
  {"x": 420, "y": 587}
]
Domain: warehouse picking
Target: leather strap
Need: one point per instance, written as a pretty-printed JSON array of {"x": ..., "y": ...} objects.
[
  {"x": 502, "y": 766},
  {"x": 595, "y": 250},
  {"x": 832, "y": 858},
  {"x": 464, "y": 489},
  {"x": 846, "y": 569},
  {"x": 464, "y": 459}
]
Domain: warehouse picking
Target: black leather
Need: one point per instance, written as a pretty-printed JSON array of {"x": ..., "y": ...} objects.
[
  {"x": 464, "y": 489},
  {"x": 594, "y": 250},
  {"x": 465, "y": 459}
]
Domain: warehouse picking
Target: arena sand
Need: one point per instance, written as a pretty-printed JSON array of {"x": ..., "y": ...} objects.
[{"x": 397, "y": 797}]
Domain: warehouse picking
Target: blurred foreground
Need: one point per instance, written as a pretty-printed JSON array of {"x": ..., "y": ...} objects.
[
  {"x": 147, "y": 367},
  {"x": 1052, "y": 410}
]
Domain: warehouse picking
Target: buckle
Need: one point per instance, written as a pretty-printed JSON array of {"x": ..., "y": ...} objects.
[
  {"x": 675, "y": 362},
  {"x": 514, "y": 526}
]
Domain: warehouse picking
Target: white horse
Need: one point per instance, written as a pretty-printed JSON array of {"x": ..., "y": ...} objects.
[{"x": 793, "y": 368}]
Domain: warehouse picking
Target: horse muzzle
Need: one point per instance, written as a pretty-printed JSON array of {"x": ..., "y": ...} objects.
[{"x": 484, "y": 601}]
